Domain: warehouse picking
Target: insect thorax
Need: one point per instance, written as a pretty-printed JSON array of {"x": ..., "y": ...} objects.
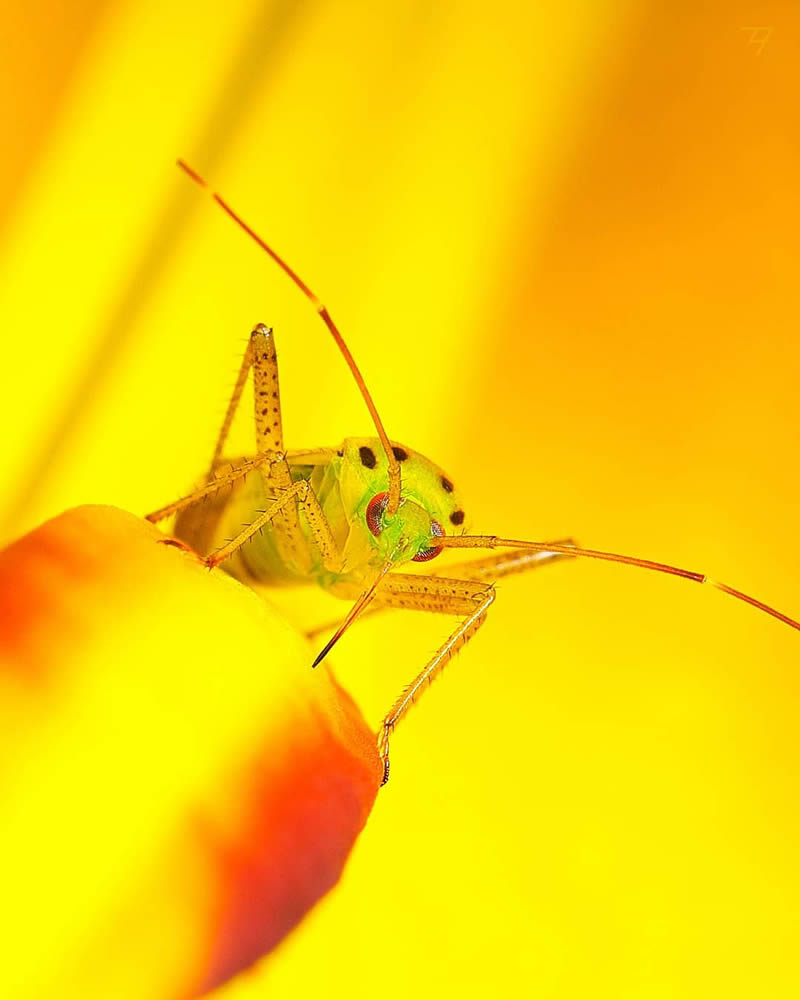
[{"x": 344, "y": 485}]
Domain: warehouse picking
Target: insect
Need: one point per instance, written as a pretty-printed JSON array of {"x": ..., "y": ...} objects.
[{"x": 350, "y": 517}]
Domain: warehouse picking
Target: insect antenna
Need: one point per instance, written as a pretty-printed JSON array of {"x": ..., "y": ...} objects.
[
  {"x": 492, "y": 541},
  {"x": 394, "y": 465}
]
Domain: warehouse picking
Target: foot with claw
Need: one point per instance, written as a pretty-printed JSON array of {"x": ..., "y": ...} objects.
[{"x": 383, "y": 750}]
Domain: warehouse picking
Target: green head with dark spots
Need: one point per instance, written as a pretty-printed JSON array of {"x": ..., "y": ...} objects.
[{"x": 429, "y": 505}]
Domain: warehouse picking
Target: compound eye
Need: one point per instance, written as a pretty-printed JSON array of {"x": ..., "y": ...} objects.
[
  {"x": 432, "y": 551},
  {"x": 374, "y": 513}
]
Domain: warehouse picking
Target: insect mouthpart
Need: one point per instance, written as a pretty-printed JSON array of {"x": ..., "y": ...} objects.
[{"x": 374, "y": 515}]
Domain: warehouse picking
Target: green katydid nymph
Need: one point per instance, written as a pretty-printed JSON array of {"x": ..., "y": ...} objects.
[{"x": 349, "y": 517}]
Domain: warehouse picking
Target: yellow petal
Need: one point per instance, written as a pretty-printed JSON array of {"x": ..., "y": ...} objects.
[{"x": 177, "y": 785}]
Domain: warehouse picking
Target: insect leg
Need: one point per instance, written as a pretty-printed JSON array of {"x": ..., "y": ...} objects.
[
  {"x": 320, "y": 529},
  {"x": 484, "y": 570},
  {"x": 264, "y": 518},
  {"x": 300, "y": 492},
  {"x": 430, "y": 593},
  {"x": 262, "y": 356},
  {"x": 236, "y": 395},
  {"x": 218, "y": 482}
]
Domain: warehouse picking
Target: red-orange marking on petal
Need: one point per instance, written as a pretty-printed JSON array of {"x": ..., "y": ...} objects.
[{"x": 295, "y": 838}]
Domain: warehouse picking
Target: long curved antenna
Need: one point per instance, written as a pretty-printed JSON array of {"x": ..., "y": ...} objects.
[
  {"x": 492, "y": 542},
  {"x": 394, "y": 465}
]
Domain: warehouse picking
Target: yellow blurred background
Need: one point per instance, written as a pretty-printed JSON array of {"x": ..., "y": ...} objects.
[{"x": 561, "y": 240}]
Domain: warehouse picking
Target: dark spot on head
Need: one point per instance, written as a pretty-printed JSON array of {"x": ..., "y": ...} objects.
[
  {"x": 367, "y": 456},
  {"x": 447, "y": 486},
  {"x": 400, "y": 454},
  {"x": 457, "y": 517},
  {"x": 340, "y": 453}
]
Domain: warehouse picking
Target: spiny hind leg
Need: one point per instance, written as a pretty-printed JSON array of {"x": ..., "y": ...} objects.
[
  {"x": 289, "y": 537},
  {"x": 438, "y": 595},
  {"x": 260, "y": 355}
]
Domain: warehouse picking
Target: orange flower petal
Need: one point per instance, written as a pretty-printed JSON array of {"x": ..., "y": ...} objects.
[{"x": 177, "y": 786}]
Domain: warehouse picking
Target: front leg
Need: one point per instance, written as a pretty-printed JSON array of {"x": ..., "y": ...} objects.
[
  {"x": 298, "y": 493},
  {"x": 438, "y": 595},
  {"x": 217, "y": 482},
  {"x": 485, "y": 570}
]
